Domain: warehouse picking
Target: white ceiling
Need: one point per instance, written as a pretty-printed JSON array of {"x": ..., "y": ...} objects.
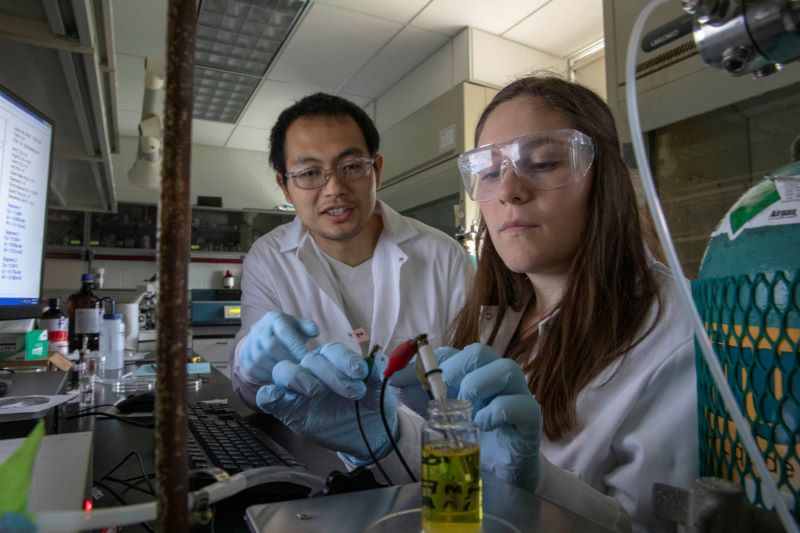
[{"x": 355, "y": 48}]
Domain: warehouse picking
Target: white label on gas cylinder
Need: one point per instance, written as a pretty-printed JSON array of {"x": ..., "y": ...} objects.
[{"x": 773, "y": 202}]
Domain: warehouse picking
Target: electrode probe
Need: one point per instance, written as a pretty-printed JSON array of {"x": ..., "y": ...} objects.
[{"x": 432, "y": 371}]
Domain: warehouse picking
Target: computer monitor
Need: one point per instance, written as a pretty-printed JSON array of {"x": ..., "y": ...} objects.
[{"x": 26, "y": 146}]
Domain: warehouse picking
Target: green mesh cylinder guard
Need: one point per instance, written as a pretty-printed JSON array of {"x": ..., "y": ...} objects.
[{"x": 748, "y": 296}]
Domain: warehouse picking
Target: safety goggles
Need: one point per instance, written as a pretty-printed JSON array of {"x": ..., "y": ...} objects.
[{"x": 544, "y": 161}]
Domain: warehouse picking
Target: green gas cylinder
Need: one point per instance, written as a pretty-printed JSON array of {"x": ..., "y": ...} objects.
[{"x": 748, "y": 296}]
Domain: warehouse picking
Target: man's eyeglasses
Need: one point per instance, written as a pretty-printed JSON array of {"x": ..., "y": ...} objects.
[
  {"x": 543, "y": 161},
  {"x": 315, "y": 177}
]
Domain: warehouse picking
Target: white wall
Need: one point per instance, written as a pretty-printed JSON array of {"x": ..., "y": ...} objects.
[
  {"x": 593, "y": 75},
  {"x": 472, "y": 55},
  {"x": 442, "y": 71},
  {"x": 241, "y": 177},
  {"x": 495, "y": 61}
]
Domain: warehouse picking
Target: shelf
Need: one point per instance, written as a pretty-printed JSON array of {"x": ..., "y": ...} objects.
[{"x": 102, "y": 229}]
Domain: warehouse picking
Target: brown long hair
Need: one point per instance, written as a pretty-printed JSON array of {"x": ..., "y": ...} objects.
[{"x": 610, "y": 287}]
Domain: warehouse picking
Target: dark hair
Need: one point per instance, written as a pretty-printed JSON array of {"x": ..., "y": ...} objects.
[
  {"x": 316, "y": 105},
  {"x": 610, "y": 288}
]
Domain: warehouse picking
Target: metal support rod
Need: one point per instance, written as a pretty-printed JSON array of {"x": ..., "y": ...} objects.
[{"x": 172, "y": 465}]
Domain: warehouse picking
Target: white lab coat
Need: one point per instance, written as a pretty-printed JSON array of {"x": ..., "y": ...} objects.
[
  {"x": 420, "y": 277},
  {"x": 636, "y": 423}
]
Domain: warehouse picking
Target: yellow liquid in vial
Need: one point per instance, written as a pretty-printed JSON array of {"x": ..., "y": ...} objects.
[{"x": 451, "y": 488}]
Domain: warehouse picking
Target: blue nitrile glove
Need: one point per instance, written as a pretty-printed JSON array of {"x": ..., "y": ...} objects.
[
  {"x": 326, "y": 414},
  {"x": 508, "y": 416},
  {"x": 408, "y": 387},
  {"x": 274, "y": 338}
]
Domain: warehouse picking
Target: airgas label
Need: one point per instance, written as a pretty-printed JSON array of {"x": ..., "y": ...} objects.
[{"x": 773, "y": 202}]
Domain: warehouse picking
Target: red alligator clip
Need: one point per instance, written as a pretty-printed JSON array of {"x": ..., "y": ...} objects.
[{"x": 400, "y": 357}]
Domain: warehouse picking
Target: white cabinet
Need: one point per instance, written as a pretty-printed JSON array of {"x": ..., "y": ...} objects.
[{"x": 216, "y": 350}]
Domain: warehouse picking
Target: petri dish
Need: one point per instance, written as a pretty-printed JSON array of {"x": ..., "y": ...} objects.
[{"x": 411, "y": 520}]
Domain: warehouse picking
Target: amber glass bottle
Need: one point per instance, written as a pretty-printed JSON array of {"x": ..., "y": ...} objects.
[{"x": 85, "y": 313}]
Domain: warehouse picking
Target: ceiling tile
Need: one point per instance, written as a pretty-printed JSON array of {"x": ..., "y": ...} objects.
[
  {"x": 562, "y": 27},
  {"x": 407, "y": 50},
  {"x": 330, "y": 46},
  {"x": 130, "y": 83},
  {"x": 140, "y": 27},
  {"x": 272, "y": 98},
  {"x": 341, "y": 47},
  {"x": 361, "y": 101},
  {"x": 448, "y": 17},
  {"x": 395, "y": 10},
  {"x": 210, "y": 133},
  {"x": 247, "y": 138}
]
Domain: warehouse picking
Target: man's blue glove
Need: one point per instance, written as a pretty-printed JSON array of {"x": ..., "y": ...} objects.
[
  {"x": 275, "y": 337},
  {"x": 508, "y": 416},
  {"x": 408, "y": 386},
  {"x": 326, "y": 413}
]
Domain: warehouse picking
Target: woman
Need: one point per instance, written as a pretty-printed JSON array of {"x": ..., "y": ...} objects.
[
  {"x": 568, "y": 293},
  {"x": 567, "y": 288}
]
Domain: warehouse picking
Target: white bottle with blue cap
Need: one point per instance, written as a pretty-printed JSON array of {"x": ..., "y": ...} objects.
[{"x": 112, "y": 341}]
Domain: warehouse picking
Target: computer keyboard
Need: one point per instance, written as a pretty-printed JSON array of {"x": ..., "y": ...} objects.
[{"x": 219, "y": 437}]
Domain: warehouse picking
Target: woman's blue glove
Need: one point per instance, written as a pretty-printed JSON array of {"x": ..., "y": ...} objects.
[
  {"x": 316, "y": 400},
  {"x": 408, "y": 386},
  {"x": 508, "y": 416},
  {"x": 275, "y": 337}
]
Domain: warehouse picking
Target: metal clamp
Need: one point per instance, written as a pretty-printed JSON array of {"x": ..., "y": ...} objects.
[{"x": 712, "y": 505}]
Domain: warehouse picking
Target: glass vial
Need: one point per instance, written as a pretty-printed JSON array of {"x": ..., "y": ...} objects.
[
  {"x": 451, "y": 469},
  {"x": 87, "y": 365}
]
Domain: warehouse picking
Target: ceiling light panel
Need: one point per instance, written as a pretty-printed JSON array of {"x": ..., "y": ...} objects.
[
  {"x": 220, "y": 95},
  {"x": 239, "y": 38}
]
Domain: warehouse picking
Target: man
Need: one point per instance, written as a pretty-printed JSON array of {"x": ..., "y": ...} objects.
[{"x": 348, "y": 268}]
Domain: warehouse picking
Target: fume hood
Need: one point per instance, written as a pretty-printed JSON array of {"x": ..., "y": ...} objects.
[{"x": 421, "y": 151}]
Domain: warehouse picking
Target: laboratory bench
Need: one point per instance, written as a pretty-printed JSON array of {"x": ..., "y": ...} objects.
[
  {"x": 214, "y": 343},
  {"x": 282, "y": 507}
]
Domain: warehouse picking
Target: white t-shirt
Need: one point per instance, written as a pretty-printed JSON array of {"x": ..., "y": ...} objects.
[{"x": 357, "y": 290}]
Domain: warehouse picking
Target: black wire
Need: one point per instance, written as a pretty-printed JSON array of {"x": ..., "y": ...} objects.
[
  {"x": 111, "y": 491},
  {"x": 144, "y": 475},
  {"x": 138, "y": 479},
  {"x": 100, "y": 483},
  {"x": 119, "y": 464},
  {"x": 92, "y": 408},
  {"x": 109, "y": 415},
  {"x": 389, "y": 432},
  {"x": 129, "y": 485},
  {"x": 121, "y": 500},
  {"x": 375, "y": 460}
]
